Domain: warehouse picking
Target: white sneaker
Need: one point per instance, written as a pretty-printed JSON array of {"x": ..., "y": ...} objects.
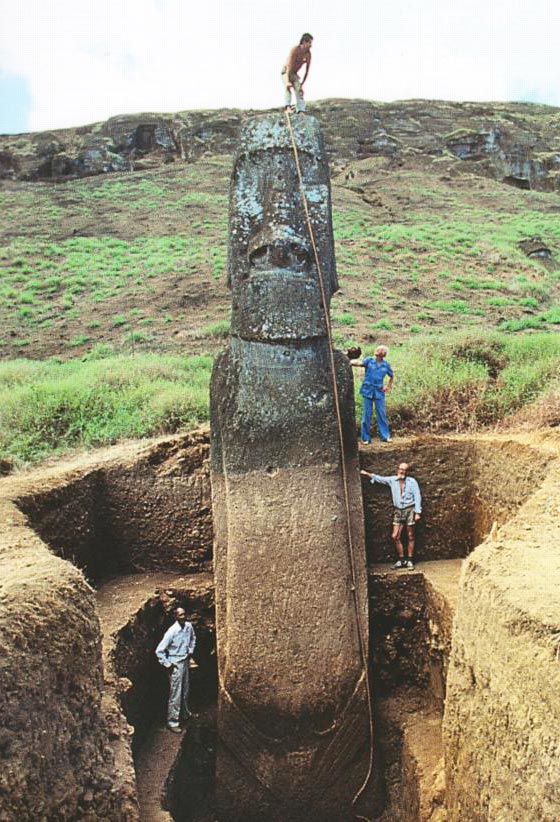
[{"x": 409, "y": 564}]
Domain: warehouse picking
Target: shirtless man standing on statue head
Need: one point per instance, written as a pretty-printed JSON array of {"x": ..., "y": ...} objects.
[{"x": 298, "y": 56}]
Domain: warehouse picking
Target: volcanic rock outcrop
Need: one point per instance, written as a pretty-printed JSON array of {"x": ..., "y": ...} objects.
[{"x": 291, "y": 612}]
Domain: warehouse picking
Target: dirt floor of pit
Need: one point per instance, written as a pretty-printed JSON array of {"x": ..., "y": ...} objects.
[
  {"x": 408, "y": 715},
  {"x": 117, "y": 602},
  {"x": 153, "y": 764}
]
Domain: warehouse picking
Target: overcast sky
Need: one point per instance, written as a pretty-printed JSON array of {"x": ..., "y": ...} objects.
[{"x": 72, "y": 62}]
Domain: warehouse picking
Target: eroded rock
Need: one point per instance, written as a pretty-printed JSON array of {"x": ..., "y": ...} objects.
[{"x": 293, "y": 692}]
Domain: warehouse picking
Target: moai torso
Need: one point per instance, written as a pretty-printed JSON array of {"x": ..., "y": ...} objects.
[{"x": 292, "y": 723}]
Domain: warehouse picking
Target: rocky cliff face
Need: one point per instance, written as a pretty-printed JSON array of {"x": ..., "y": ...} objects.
[{"x": 515, "y": 143}]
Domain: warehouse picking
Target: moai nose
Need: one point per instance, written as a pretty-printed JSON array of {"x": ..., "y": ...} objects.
[{"x": 279, "y": 247}]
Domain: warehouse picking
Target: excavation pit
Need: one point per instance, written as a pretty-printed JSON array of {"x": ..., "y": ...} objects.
[{"x": 137, "y": 523}]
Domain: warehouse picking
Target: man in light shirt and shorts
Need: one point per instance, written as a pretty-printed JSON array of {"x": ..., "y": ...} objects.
[{"x": 407, "y": 510}]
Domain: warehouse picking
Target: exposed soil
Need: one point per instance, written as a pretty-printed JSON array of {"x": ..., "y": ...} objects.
[
  {"x": 153, "y": 764},
  {"x": 511, "y": 484},
  {"x": 120, "y": 602},
  {"x": 175, "y": 771}
]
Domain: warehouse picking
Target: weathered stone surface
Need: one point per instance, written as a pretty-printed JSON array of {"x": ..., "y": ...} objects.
[
  {"x": 99, "y": 155},
  {"x": 9, "y": 166},
  {"x": 473, "y": 145},
  {"x": 536, "y": 248},
  {"x": 293, "y": 725}
]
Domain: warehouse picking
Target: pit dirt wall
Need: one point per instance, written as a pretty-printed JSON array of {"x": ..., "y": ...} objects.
[
  {"x": 65, "y": 749},
  {"x": 147, "y": 507},
  {"x": 61, "y": 755},
  {"x": 141, "y": 683},
  {"x": 136, "y": 509},
  {"x": 502, "y": 714},
  {"x": 467, "y": 484},
  {"x": 150, "y": 509}
]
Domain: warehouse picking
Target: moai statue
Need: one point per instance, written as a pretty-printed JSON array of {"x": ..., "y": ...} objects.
[{"x": 293, "y": 725}]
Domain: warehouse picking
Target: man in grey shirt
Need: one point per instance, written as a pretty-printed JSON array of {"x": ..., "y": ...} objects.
[
  {"x": 407, "y": 509},
  {"x": 174, "y": 652}
]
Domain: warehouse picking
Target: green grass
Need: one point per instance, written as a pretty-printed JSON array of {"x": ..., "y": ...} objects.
[
  {"x": 220, "y": 328},
  {"x": 344, "y": 318},
  {"x": 458, "y": 245},
  {"x": 163, "y": 237},
  {"x": 384, "y": 325},
  {"x": 454, "y": 306},
  {"x": 96, "y": 268},
  {"x": 538, "y": 321},
  {"x": 455, "y": 382},
  {"x": 466, "y": 380},
  {"x": 49, "y": 407}
]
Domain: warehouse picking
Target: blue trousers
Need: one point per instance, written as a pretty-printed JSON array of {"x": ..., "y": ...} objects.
[{"x": 380, "y": 416}]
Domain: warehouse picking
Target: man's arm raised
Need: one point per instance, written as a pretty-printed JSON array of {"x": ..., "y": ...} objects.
[{"x": 376, "y": 478}]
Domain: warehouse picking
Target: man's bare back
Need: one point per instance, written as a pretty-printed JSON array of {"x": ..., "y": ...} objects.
[{"x": 299, "y": 56}]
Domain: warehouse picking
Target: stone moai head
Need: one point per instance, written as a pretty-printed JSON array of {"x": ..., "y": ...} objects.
[{"x": 271, "y": 265}]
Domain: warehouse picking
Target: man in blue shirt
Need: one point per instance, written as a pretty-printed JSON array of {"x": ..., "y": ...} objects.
[
  {"x": 407, "y": 509},
  {"x": 373, "y": 390},
  {"x": 174, "y": 652}
]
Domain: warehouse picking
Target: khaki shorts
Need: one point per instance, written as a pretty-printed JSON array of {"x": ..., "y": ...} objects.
[{"x": 403, "y": 516}]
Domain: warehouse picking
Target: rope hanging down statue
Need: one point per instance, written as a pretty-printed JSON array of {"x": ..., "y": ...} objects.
[{"x": 291, "y": 614}]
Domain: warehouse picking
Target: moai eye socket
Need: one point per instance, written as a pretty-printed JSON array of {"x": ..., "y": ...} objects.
[
  {"x": 300, "y": 257},
  {"x": 277, "y": 256},
  {"x": 259, "y": 257}
]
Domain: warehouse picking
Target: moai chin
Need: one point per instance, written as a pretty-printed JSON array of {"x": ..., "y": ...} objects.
[{"x": 293, "y": 718}]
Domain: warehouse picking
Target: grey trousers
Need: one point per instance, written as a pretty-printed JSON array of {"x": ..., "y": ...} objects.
[
  {"x": 178, "y": 692},
  {"x": 295, "y": 83}
]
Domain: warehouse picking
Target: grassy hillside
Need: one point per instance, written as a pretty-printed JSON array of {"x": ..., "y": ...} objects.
[
  {"x": 137, "y": 260},
  {"x": 132, "y": 263},
  {"x": 447, "y": 382}
]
